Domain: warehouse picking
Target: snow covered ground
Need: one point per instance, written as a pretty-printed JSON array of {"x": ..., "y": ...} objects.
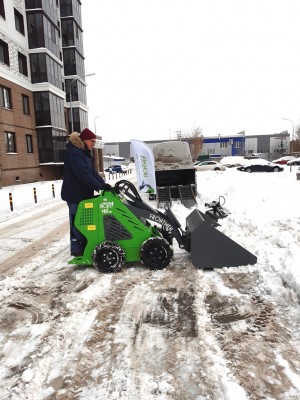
[{"x": 69, "y": 332}]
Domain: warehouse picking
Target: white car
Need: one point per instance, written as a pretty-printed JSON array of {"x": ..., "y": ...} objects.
[
  {"x": 209, "y": 166},
  {"x": 295, "y": 161},
  {"x": 232, "y": 161}
]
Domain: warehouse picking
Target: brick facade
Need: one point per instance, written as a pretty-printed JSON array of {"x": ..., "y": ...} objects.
[{"x": 20, "y": 166}]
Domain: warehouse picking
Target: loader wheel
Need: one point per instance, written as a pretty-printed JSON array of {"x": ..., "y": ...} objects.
[
  {"x": 156, "y": 253},
  {"x": 108, "y": 257}
]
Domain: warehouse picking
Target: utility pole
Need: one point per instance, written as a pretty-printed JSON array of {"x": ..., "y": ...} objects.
[{"x": 292, "y": 137}]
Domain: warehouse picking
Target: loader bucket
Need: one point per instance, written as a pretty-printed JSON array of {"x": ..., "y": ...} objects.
[{"x": 210, "y": 248}]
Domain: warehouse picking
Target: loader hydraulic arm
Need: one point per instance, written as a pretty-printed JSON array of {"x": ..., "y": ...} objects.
[{"x": 168, "y": 222}]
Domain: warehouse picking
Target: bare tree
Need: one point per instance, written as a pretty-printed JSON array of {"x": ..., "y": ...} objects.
[
  {"x": 296, "y": 141},
  {"x": 195, "y": 140}
]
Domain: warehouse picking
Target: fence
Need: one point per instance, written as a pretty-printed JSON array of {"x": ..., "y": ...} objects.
[
  {"x": 118, "y": 175},
  {"x": 16, "y": 197}
]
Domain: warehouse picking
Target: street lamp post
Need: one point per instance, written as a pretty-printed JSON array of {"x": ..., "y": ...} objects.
[
  {"x": 95, "y": 124},
  {"x": 178, "y": 133},
  {"x": 71, "y": 109},
  {"x": 291, "y": 143}
]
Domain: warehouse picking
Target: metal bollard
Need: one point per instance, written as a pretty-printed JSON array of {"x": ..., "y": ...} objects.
[
  {"x": 11, "y": 202},
  {"x": 53, "y": 190},
  {"x": 34, "y": 195}
]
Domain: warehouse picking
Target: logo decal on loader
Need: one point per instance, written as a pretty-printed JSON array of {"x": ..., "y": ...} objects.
[
  {"x": 106, "y": 207},
  {"x": 156, "y": 218}
]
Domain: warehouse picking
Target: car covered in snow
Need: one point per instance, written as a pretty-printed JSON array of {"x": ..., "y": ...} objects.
[
  {"x": 283, "y": 160},
  {"x": 232, "y": 161},
  {"x": 295, "y": 161},
  {"x": 259, "y": 165}
]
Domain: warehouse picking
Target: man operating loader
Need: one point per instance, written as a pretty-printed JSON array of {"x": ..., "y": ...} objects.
[{"x": 80, "y": 180}]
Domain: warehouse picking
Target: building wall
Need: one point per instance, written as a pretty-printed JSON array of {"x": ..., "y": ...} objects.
[
  {"x": 279, "y": 144},
  {"x": 21, "y": 166},
  {"x": 251, "y": 145},
  {"x": 45, "y": 87}
]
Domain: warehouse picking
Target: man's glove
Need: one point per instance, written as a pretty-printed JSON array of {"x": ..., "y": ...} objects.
[{"x": 106, "y": 186}]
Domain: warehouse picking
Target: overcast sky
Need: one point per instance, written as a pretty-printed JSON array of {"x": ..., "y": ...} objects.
[{"x": 172, "y": 65}]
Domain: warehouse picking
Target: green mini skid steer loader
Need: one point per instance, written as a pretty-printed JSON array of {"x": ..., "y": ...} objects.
[{"x": 120, "y": 227}]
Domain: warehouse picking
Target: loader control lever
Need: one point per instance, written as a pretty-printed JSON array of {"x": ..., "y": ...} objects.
[{"x": 128, "y": 189}]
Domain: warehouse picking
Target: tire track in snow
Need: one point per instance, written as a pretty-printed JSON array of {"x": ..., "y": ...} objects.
[
  {"x": 252, "y": 332},
  {"x": 147, "y": 339},
  {"x": 38, "y": 246}
]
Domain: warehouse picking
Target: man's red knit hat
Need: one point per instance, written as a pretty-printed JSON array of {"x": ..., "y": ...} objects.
[{"x": 87, "y": 134}]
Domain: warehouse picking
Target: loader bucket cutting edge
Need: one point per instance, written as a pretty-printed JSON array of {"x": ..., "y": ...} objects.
[{"x": 210, "y": 248}]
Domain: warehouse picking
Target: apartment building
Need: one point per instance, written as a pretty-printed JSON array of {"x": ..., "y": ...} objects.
[{"x": 42, "y": 86}]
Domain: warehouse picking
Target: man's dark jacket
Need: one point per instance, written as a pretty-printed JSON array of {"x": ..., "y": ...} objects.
[{"x": 80, "y": 177}]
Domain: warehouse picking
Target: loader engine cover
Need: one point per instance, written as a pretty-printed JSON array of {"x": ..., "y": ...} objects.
[{"x": 106, "y": 218}]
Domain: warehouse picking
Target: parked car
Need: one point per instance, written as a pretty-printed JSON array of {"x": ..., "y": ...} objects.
[
  {"x": 283, "y": 160},
  {"x": 209, "y": 166},
  {"x": 259, "y": 165},
  {"x": 296, "y": 161},
  {"x": 116, "y": 168},
  {"x": 232, "y": 161}
]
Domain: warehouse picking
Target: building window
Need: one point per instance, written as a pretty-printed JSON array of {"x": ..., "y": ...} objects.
[
  {"x": 22, "y": 64},
  {"x": 19, "y": 22},
  {"x": 42, "y": 108},
  {"x": 223, "y": 145},
  {"x": 29, "y": 143},
  {"x": 4, "y": 54},
  {"x": 67, "y": 29},
  {"x": 5, "y": 97},
  {"x": 35, "y": 29},
  {"x": 38, "y": 68},
  {"x": 25, "y": 100},
  {"x": 53, "y": 33},
  {"x": 45, "y": 69},
  {"x": 237, "y": 145},
  {"x": 66, "y": 8},
  {"x": 2, "y": 11},
  {"x": 10, "y": 142}
]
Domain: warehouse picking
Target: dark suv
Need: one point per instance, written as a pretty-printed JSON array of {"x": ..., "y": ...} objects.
[{"x": 117, "y": 168}]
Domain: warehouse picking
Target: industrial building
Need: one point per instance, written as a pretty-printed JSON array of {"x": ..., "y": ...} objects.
[{"x": 266, "y": 146}]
